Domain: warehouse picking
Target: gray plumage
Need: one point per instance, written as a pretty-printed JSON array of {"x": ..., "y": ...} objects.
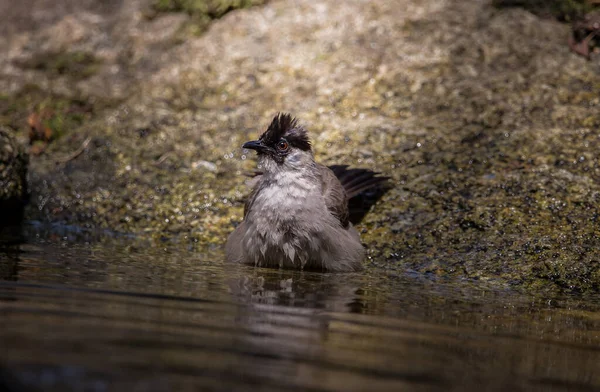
[{"x": 297, "y": 213}]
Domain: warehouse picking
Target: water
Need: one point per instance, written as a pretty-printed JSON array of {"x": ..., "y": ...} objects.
[{"x": 106, "y": 312}]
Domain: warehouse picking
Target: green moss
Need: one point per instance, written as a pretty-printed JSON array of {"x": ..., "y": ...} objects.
[
  {"x": 212, "y": 8},
  {"x": 76, "y": 64},
  {"x": 202, "y": 12}
]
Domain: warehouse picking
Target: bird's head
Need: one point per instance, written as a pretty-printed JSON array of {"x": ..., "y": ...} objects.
[{"x": 284, "y": 145}]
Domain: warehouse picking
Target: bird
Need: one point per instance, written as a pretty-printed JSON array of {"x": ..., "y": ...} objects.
[{"x": 296, "y": 216}]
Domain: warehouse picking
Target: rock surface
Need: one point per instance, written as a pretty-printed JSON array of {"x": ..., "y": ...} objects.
[{"x": 485, "y": 121}]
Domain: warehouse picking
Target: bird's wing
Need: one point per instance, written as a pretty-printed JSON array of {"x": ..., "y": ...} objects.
[{"x": 335, "y": 195}]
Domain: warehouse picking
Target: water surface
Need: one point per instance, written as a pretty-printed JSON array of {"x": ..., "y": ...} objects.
[{"x": 105, "y": 312}]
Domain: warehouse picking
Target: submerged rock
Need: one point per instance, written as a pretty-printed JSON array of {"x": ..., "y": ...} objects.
[{"x": 485, "y": 121}]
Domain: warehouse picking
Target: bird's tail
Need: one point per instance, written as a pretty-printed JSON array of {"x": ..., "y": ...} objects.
[{"x": 356, "y": 181}]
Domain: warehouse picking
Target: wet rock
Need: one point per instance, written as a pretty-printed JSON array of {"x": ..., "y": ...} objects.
[
  {"x": 485, "y": 121},
  {"x": 13, "y": 178}
]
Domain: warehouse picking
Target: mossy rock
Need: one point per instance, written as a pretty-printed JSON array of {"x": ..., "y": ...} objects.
[
  {"x": 13, "y": 177},
  {"x": 564, "y": 10},
  {"x": 202, "y": 12},
  {"x": 74, "y": 64},
  {"x": 482, "y": 117},
  {"x": 59, "y": 114}
]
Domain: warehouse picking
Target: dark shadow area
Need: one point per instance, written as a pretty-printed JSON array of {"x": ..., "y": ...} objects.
[
  {"x": 361, "y": 204},
  {"x": 9, "y": 382},
  {"x": 11, "y": 224},
  {"x": 563, "y": 10}
]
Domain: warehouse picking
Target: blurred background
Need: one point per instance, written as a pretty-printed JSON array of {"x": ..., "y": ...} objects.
[{"x": 121, "y": 174}]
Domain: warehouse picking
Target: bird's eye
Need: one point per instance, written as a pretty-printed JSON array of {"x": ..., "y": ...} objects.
[{"x": 282, "y": 145}]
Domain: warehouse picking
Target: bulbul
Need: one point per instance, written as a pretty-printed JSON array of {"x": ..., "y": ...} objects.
[{"x": 297, "y": 214}]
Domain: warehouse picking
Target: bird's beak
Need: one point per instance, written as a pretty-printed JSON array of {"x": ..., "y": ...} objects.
[{"x": 255, "y": 145}]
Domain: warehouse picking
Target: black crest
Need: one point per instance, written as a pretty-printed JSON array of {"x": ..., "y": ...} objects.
[{"x": 286, "y": 126}]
